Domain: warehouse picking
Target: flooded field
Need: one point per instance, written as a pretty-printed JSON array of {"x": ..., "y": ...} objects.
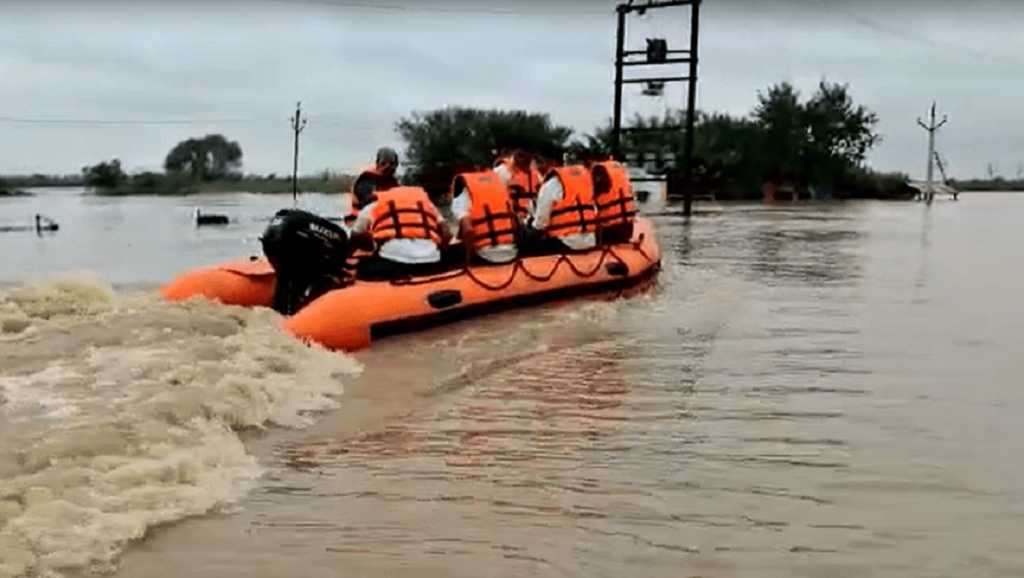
[{"x": 807, "y": 390}]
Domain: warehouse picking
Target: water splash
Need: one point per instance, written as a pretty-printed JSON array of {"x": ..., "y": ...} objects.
[{"x": 120, "y": 412}]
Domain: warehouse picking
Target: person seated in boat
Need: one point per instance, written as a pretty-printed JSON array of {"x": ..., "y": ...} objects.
[
  {"x": 519, "y": 172},
  {"x": 563, "y": 216},
  {"x": 488, "y": 225},
  {"x": 546, "y": 161},
  {"x": 379, "y": 177},
  {"x": 406, "y": 232},
  {"x": 614, "y": 202}
]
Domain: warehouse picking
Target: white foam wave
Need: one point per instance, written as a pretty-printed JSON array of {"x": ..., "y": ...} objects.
[{"x": 120, "y": 412}]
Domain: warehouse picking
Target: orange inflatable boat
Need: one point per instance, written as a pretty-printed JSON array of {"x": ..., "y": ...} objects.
[{"x": 352, "y": 317}]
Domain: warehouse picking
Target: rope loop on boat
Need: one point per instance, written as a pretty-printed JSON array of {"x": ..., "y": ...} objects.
[{"x": 518, "y": 265}]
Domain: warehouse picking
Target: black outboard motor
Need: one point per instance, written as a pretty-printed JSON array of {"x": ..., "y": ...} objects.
[{"x": 308, "y": 254}]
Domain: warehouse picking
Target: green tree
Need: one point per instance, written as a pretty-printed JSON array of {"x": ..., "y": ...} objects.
[
  {"x": 839, "y": 134},
  {"x": 205, "y": 159},
  {"x": 726, "y": 148},
  {"x": 105, "y": 175},
  {"x": 821, "y": 143},
  {"x": 780, "y": 118},
  {"x": 442, "y": 142},
  {"x": 728, "y": 153},
  {"x": 597, "y": 144},
  {"x": 637, "y": 146}
]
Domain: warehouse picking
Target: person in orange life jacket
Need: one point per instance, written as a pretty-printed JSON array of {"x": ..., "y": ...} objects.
[
  {"x": 488, "y": 224},
  {"x": 520, "y": 174},
  {"x": 406, "y": 230},
  {"x": 380, "y": 177},
  {"x": 544, "y": 164},
  {"x": 564, "y": 216},
  {"x": 614, "y": 202}
]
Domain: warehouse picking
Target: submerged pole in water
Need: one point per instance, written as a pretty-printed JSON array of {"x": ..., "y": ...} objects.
[
  {"x": 298, "y": 123},
  {"x": 620, "y": 40},
  {"x": 931, "y": 127},
  {"x": 691, "y": 102}
]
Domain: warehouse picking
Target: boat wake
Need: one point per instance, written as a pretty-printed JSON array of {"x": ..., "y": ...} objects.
[{"x": 121, "y": 411}]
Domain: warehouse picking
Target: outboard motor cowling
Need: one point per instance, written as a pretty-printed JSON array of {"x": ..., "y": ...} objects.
[{"x": 308, "y": 254}]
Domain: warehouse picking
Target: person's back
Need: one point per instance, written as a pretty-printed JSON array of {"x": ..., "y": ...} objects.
[
  {"x": 487, "y": 220},
  {"x": 406, "y": 229},
  {"x": 564, "y": 211},
  {"x": 614, "y": 202},
  {"x": 520, "y": 174}
]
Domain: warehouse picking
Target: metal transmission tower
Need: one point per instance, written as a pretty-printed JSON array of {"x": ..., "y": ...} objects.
[
  {"x": 658, "y": 53},
  {"x": 931, "y": 127}
]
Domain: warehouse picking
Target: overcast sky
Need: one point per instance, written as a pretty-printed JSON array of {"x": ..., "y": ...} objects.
[{"x": 72, "y": 74}]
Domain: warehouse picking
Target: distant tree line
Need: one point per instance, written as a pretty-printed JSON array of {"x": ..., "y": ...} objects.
[
  {"x": 7, "y": 189},
  {"x": 208, "y": 164},
  {"x": 819, "y": 144},
  {"x": 42, "y": 180},
  {"x": 109, "y": 178},
  {"x": 994, "y": 182},
  {"x": 190, "y": 163},
  {"x": 997, "y": 184}
]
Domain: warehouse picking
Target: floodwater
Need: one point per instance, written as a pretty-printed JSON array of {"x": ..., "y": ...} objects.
[{"x": 807, "y": 390}]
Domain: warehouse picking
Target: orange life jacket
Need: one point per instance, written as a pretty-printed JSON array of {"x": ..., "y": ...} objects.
[
  {"x": 616, "y": 205},
  {"x": 575, "y": 213},
  {"x": 523, "y": 186},
  {"x": 492, "y": 216},
  {"x": 405, "y": 213},
  {"x": 380, "y": 183}
]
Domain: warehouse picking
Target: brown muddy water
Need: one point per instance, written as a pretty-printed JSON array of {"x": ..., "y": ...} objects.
[{"x": 807, "y": 390}]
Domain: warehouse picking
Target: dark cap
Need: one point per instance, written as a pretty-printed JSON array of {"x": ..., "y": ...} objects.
[{"x": 387, "y": 155}]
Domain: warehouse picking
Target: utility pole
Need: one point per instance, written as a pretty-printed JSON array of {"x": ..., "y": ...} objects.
[
  {"x": 298, "y": 124},
  {"x": 942, "y": 168},
  {"x": 658, "y": 53},
  {"x": 931, "y": 127},
  {"x": 620, "y": 41},
  {"x": 691, "y": 99}
]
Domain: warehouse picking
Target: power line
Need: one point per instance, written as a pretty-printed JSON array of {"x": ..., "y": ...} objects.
[
  {"x": 426, "y": 8},
  {"x": 317, "y": 119},
  {"x": 114, "y": 122},
  {"x": 911, "y": 36}
]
